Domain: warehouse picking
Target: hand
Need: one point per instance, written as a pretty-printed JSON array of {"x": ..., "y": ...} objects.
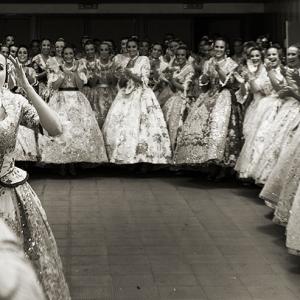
[
  {"x": 127, "y": 72},
  {"x": 268, "y": 65},
  {"x": 285, "y": 91},
  {"x": 19, "y": 71}
]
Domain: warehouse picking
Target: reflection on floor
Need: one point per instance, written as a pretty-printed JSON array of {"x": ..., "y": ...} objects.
[{"x": 167, "y": 238}]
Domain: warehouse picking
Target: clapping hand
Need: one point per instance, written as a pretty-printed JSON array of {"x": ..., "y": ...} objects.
[{"x": 285, "y": 91}]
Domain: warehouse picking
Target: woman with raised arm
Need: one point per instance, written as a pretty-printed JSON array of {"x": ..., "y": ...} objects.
[
  {"x": 19, "y": 205},
  {"x": 81, "y": 140},
  {"x": 135, "y": 130}
]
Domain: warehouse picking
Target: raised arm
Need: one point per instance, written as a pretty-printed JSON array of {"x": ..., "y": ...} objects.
[{"x": 48, "y": 118}]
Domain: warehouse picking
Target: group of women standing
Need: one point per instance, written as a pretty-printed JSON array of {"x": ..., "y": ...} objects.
[{"x": 177, "y": 108}]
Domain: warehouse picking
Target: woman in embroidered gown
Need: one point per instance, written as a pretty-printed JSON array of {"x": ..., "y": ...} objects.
[
  {"x": 27, "y": 139},
  {"x": 257, "y": 86},
  {"x": 106, "y": 84},
  {"x": 20, "y": 207},
  {"x": 157, "y": 66},
  {"x": 210, "y": 133},
  {"x": 90, "y": 63},
  {"x": 135, "y": 130},
  {"x": 54, "y": 62},
  {"x": 81, "y": 140},
  {"x": 39, "y": 63},
  {"x": 179, "y": 81},
  {"x": 262, "y": 121},
  {"x": 287, "y": 119}
]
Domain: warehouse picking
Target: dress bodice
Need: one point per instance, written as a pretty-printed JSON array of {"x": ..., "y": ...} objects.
[{"x": 17, "y": 111}]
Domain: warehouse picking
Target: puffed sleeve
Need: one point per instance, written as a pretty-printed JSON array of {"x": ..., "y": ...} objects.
[
  {"x": 145, "y": 71},
  {"x": 29, "y": 115}
]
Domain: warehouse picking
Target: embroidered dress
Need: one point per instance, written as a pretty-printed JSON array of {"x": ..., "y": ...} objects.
[
  {"x": 175, "y": 107},
  {"x": 293, "y": 226},
  {"x": 104, "y": 92},
  {"x": 135, "y": 130},
  {"x": 210, "y": 132},
  {"x": 81, "y": 140},
  {"x": 40, "y": 65},
  {"x": 257, "y": 138},
  {"x": 20, "y": 207}
]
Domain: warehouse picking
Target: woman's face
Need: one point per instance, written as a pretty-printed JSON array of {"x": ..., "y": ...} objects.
[
  {"x": 255, "y": 57},
  {"x": 90, "y": 51},
  {"x": 13, "y": 51},
  {"x": 219, "y": 49},
  {"x": 45, "y": 47},
  {"x": 59, "y": 46},
  {"x": 22, "y": 55},
  {"x": 2, "y": 70},
  {"x": 132, "y": 49},
  {"x": 173, "y": 46},
  {"x": 10, "y": 40},
  {"x": 104, "y": 51},
  {"x": 5, "y": 51},
  {"x": 68, "y": 55},
  {"x": 273, "y": 57},
  {"x": 156, "y": 51},
  {"x": 292, "y": 57},
  {"x": 124, "y": 46},
  {"x": 181, "y": 56}
]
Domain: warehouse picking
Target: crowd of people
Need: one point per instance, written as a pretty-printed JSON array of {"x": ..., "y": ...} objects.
[{"x": 234, "y": 111}]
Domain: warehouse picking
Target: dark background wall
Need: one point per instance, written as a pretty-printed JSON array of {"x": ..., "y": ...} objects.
[{"x": 189, "y": 28}]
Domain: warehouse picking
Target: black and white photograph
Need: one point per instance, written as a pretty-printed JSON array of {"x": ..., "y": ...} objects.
[{"x": 149, "y": 150}]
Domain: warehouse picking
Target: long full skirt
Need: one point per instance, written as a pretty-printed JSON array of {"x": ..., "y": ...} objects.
[
  {"x": 173, "y": 111},
  {"x": 287, "y": 119},
  {"x": 283, "y": 176},
  {"x": 81, "y": 140},
  {"x": 293, "y": 227},
  {"x": 100, "y": 99},
  {"x": 21, "y": 209},
  {"x": 256, "y": 140},
  {"x": 135, "y": 130},
  {"x": 208, "y": 130}
]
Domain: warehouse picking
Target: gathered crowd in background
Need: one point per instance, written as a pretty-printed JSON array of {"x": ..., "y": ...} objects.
[{"x": 232, "y": 110}]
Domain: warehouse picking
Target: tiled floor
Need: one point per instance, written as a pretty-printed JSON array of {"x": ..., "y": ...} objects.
[{"x": 167, "y": 238}]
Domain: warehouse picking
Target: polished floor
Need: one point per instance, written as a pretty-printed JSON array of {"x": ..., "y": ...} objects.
[{"x": 171, "y": 237}]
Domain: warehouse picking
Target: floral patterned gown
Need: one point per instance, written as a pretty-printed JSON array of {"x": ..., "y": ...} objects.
[
  {"x": 211, "y": 130},
  {"x": 258, "y": 137},
  {"x": 81, "y": 140},
  {"x": 176, "y": 105},
  {"x": 104, "y": 92},
  {"x": 293, "y": 226},
  {"x": 20, "y": 207},
  {"x": 135, "y": 130}
]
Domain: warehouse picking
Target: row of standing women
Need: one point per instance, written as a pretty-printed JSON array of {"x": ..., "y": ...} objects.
[
  {"x": 270, "y": 154},
  {"x": 126, "y": 121}
]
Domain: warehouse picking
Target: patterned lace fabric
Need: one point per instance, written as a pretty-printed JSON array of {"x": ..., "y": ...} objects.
[
  {"x": 176, "y": 105},
  {"x": 81, "y": 140},
  {"x": 135, "y": 130},
  {"x": 293, "y": 226},
  {"x": 278, "y": 178},
  {"x": 20, "y": 207},
  {"x": 255, "y": 142},
  {"x": 211, "y": 125},
  {"x": 287, "y": 119}
]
